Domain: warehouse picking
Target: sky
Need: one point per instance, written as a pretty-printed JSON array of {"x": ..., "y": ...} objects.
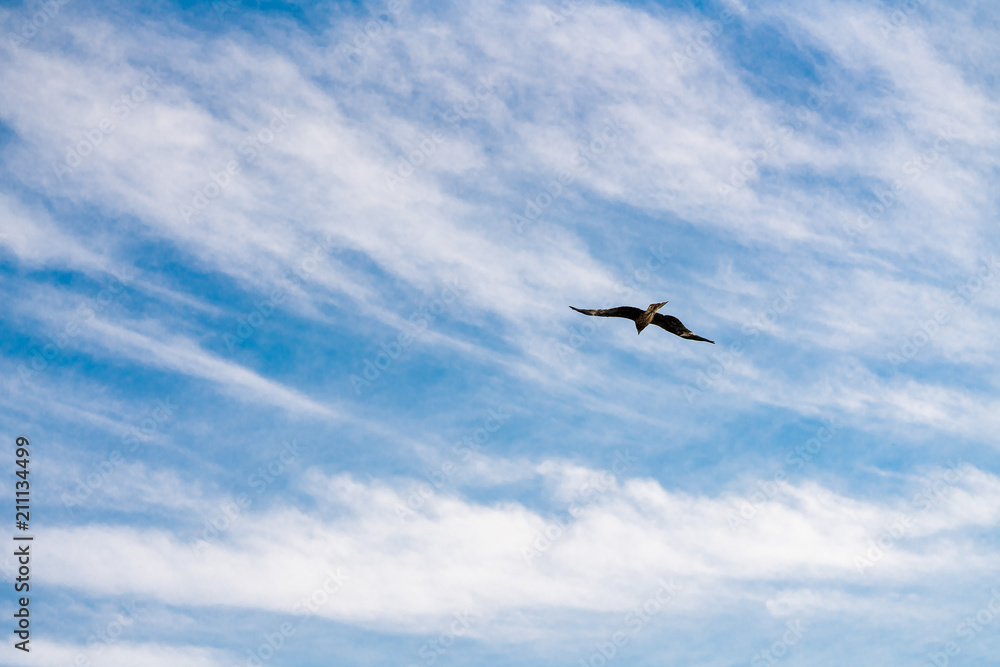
[{"x": 285, "y": 322}]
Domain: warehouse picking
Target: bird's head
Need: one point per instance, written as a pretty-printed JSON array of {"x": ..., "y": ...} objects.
[{"x": 643, "y": 320}]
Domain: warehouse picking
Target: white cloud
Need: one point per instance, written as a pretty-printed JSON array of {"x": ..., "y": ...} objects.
[
  {"x": 147, "y": 343},
  {"x": 454, "y": 556},
  {"x": 37, "y": 240}
]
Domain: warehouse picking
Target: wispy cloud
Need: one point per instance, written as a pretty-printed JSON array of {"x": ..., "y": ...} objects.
[{"x": 360, "y": 227}]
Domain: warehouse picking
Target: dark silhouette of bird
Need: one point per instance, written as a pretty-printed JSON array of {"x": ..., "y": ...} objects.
[{"x": 643, "y": 319}]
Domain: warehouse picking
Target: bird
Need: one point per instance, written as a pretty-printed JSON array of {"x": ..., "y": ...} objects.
[{"x": 643, "y": 319}]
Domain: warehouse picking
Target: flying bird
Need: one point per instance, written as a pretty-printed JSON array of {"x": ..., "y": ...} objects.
[{"x": 643, "y": 319}]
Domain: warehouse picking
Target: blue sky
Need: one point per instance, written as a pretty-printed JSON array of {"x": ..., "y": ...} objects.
[{"x": 286, "y": 322}]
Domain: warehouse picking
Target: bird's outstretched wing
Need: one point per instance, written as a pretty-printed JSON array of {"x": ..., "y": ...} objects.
[
  {"x": 628, "y": 312},
  {"x": 674, "y": 326}
]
